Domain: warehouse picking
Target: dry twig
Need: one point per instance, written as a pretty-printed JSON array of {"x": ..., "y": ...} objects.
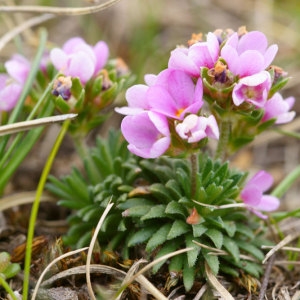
[{"x": 60, "y": 11}]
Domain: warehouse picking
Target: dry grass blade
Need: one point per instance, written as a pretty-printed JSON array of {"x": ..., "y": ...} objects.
[
  {"x": 90, "y": 251},
  {"x": 283, "y": 248},
  {"x": 129, "y": 278},
  {"x": 150, "y": 265},
  {"x": 21, "y": 199},
  {"x": 27, "y": 125},
  {"x": 287, "y": 262},
  {"x": 216, "y": 251},
  {"x": 216, "y": 284},
  {"x": 285, "y": 241},
  {"x": 49, "y": 266},
  {"x": 132, "y": 270},
  {"x": 201, "y": 292},
  {"x": 220, "y": 206},
  {"x": 141, "y": 280},
  {"x": 150, "y": 288},
  {"x": 20, "y": 28},
  {"x": 63, "y": 11},
  {"x": 82, "y": 270}
]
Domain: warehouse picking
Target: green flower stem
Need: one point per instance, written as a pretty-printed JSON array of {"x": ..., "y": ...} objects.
[
  {"x": 221, "y": 151},
  {"x": 6, "y": 286},
  {"x": 35, "y": 207},
  {"x": 194, "y": 168},
  {"x": 286, "y": 183}
]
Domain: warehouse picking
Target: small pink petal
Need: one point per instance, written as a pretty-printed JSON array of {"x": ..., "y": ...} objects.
[
  {"x": 180, "y": 60},
  {"x": 250, "y": 62},
  {"x": 251, "y": 194},
  {"x": 253, "y": 40},
  {"x": 70, "y": 44},
  {"x": 136, "y": 96},
  {"x": 77, "y": 69},
  {"x": 262, "y": 179},
  {"x": 101, "y": 51},
  {"x": 59, "y": 59},
  {"x": 268, "y": 203},
  {"x": 270, "y": 55}
]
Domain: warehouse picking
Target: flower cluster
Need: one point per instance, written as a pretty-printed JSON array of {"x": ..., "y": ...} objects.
[
  {"x": 231, "y": 71},
  {"x": 88, "y": 81},
  {"x": 168, "y": 104},
  {"x": 78, "y": 59}
]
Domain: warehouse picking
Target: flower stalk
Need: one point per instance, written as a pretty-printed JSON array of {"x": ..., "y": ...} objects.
[
  {"x": 194, "y": 170},
  {"x": 225, "y": 129},
  {"x": 35, "y": 207}
]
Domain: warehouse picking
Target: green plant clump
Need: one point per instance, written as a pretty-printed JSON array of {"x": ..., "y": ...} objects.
[{"x": 154, "y": 211}]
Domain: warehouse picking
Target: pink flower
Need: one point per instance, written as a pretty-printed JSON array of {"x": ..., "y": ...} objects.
[
  {"x": 78, "y": 59},
  {"x": 174, "y": 94},
  {"x": 147, "y": 133},
  {"x": 279, "y": 108},
  {"x": 253, "y": 197},
  {"x": 253, "y": 89},
  {"x": 18, "y": 67},
  {"x": 11, "y": 85},
  {"x": 194, "y": 128},
  {"x": 136, "y": 97},
  {"x": 9, "y": 93},
  {"x": 201, "y": 54},
  {"x": 249, "y": 54}
]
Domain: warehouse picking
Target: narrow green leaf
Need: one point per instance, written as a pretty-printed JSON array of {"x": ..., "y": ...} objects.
[
  {"x": 82, "y": 212},
  {"x": 213, "y": 191},
  {"x": 251, "y": 249},
  {"x": 134, "y": 202},
  {"x": 198, "y": 230},
  {"x": 215, "y": 222},
  {"x": 76, "y": 88},
  {"x": 84, "y": 240},
  {"x": 176, "y": 263},
  {"x": 138, "y": 211},
  {"x": 169, "y": 247},
  {"x": 230, "y": 227},
  {"x": 185, "y": 181},
  {"x": 174, "y": 208},
  {"x": 157, "y": 211},
  {"x": 202, "y": 195},
  {"x": 111, "y": 222},
  {"x": 193, "y": 254},
  {"x": 212, "y": 261},
  {"x": 188, "y": 277},
  {"x": 206, "y": 172},
  {"x": 216, "y": 236},
  {"x": 178, "y": 228},
  {"x": 61, "y": 104},
  {"x": 159, "y": 237},
  {"x": 160, "y": 192},
  {"x": 93, "y": 215},
  {"x": 142, "y": 235},
  {"x": 232, "y": 248},
  {"x": 245, "y": 231},
  {"x": 251, "y": 268},
  {"x": 222, "y": 172},
  {"x": 174, "y": 188},
  {"x": 229, "y": 270}
]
